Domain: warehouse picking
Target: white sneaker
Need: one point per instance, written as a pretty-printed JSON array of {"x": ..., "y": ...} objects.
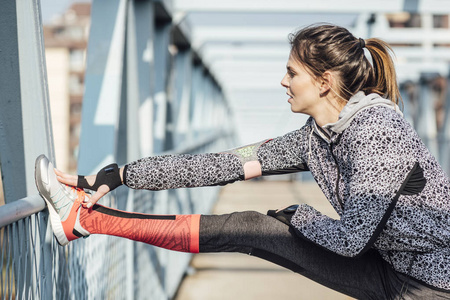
[{"x": 63, "y": 202}]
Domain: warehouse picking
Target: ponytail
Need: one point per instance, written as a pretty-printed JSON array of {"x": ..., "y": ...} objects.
[{"x": 385, "y": 76}]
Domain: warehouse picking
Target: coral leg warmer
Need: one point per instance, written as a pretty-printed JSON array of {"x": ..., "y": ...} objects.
[{"x": 173, "y": 232}]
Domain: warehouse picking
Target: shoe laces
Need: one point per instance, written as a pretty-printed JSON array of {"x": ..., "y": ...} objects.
[
  {"x": 80, "y": 194},
  {"x": 59, "y": 203}
]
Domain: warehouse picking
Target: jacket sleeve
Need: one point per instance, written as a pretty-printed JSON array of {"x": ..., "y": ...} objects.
[
  {"x": 194, "y": 170},
  {"x": 285, "y": 154},
  {"x": 185, "y": 170},
  {"x": 379, "y": 165}
]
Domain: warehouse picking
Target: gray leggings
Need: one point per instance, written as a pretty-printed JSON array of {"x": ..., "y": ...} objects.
[{"x": 367, "y": 277}]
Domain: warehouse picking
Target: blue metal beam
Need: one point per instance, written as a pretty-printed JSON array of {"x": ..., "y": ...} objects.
[
  {"x": 25, "y": 125},
  {"x": 426, "y": 118},
  {"x": 444, "y": 141},
  {"x": 162, "y": 59},
  {"x": 11, "y": 130},
  {"x": 103, "y": 88}
]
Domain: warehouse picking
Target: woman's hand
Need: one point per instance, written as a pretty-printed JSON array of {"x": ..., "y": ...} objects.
[{"x": 73, "y": 181}]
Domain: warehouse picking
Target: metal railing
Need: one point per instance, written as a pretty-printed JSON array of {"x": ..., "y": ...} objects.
[
  {"x": 31, "y": 260},
  {"x": 34, "y": 266}
]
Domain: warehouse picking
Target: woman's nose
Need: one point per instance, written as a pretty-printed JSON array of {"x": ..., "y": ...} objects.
[{"x": 285, "y": 81}]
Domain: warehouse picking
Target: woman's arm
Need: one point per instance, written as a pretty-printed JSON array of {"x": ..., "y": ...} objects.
[{"x": 276, "y": 156}]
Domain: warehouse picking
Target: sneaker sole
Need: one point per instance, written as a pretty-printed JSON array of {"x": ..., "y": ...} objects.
[{"x": 55, "y": 219}]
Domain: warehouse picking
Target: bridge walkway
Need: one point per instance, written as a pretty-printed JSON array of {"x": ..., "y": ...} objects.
[{"x": 221, "y": 276}]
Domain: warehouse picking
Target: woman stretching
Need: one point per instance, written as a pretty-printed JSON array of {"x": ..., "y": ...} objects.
[{"x": 393, "y": 236}]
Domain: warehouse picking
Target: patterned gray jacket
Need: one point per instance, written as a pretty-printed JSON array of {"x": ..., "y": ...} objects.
[{"x": 388, "y": 189}]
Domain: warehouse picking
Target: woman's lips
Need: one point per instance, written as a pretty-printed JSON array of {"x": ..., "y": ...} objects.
[{"x": 290, "y": 97}]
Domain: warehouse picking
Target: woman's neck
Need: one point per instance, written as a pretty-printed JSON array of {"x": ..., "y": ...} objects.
[{"x": 329, "y": 112}]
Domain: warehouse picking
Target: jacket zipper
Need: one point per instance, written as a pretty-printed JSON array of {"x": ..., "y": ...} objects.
[
  {"x": 336, "y": 190},
  {"x": 338, "y": 178}
]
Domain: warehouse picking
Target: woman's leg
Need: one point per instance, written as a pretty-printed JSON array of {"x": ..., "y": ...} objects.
[{"x": 367, "y": 277}]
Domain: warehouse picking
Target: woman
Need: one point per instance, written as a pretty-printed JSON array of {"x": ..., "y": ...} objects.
[{"x": 392, "y": 239}]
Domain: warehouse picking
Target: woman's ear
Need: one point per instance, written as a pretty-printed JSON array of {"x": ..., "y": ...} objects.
[{"x": 325, "y": 83}]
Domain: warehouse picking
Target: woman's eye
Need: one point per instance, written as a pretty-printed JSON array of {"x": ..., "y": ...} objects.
[{"x": 291, "y": 74}]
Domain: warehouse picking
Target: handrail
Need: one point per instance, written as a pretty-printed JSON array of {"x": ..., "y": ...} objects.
[{"x": 19, "y": 209}]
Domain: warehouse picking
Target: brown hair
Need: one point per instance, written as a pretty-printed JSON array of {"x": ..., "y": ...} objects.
[{"x": 326, "y": 47}]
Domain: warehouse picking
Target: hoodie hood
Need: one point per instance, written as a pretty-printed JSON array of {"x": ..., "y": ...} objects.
[{"x": 356, "y": 103}]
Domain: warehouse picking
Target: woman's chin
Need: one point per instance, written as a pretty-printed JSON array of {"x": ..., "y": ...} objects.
[{"x": 295, "y": 109}]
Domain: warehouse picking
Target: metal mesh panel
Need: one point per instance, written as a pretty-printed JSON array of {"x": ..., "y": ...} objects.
[
  {"x": 32, "y": 266},
  {"x": 7, "y": 288}
]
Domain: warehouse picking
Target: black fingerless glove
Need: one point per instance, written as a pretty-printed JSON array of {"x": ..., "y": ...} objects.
[
  {"x": 284, "y": 215},
  {"x": 109, "y": 175}
]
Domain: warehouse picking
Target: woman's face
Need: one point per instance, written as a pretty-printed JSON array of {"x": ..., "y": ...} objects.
[{"x": 302, "y": 88}]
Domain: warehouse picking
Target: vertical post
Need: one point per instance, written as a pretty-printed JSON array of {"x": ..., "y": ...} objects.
[
  {"x": 103, "y": 90},
  {"x": 426, "y": 120},
  {"x": 445, "y": 133},
  {"x": 126, "y": 145},
  {"x": 144, "y": 31},
  {"x": 407, "y": 103},
  {"x": 182, "y": 95},
  {"x": 162, "y": 56},
  {"x": 11, "y": 128},
  {"x": 25, "y": 124},
  {"x": 197, "y": 92},
  {"x": 37, "y": 130},
  {"x": 25, "y": 128}
]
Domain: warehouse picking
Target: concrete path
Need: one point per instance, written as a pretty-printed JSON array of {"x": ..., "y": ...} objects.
[{"x": 238, "y": 276}]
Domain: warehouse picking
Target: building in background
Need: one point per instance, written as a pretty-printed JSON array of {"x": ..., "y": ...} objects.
[{"x": 65, "y": 46}]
